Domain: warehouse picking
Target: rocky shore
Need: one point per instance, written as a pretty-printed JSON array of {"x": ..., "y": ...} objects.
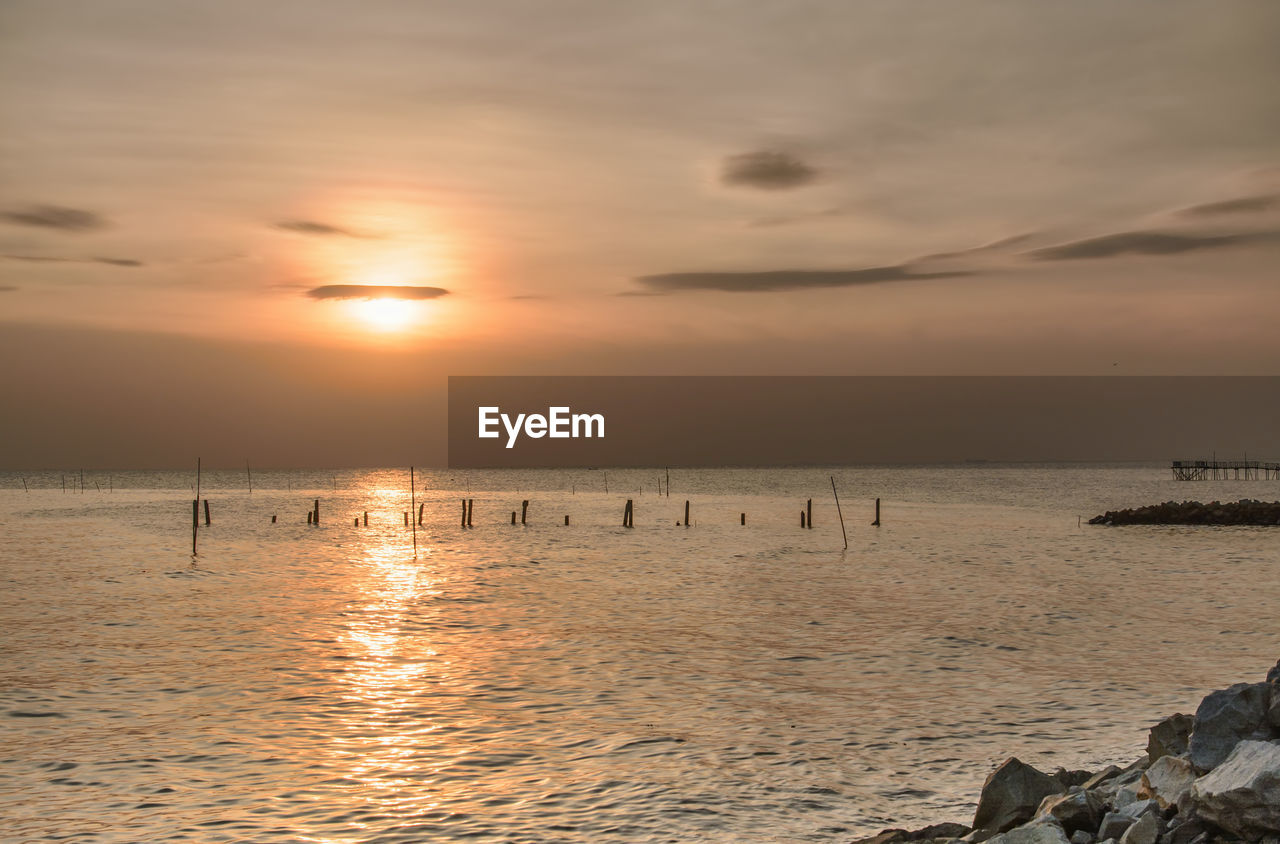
[
  {"x": 1205, "y": 779},
  {"x": 1243, "y": 512}
]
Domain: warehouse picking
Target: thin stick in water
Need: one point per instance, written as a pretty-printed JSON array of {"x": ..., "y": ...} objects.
[
  {"x": 838, "y": 513},
  {"x": 413, "y": 500}
]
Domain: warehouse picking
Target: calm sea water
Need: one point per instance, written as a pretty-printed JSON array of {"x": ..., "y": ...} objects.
[{"x": 591, "y": 683}]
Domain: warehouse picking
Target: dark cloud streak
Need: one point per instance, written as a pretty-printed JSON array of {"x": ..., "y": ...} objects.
[
  {"x": 375, "y": 291},
  {"x": 1240, "y": 205},
  {"x": 767, "y": 170},
  {"x": 1143, "y": 243},
  {"x": 775, "y": 280},
  {"x": 315, "y": 228},
  {"x": 56, "y": 217},
  {"x": 53, "y": 259}
]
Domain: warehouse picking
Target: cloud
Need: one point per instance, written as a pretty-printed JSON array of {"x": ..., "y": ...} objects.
[
  {"x": 375, "y": 291},
  {"x": 771, "y": 280},
  {"x": 53, "y": 259},
  {"x": 315, "y": 228},
  {"x": 1240, "y": 205},
  {"x": 993, "y": 246},
  {"x": 7, "y": 288},
  {"x": 54, "y": 217},
  {"x": 766, "y": 170},
  {"x": 1143, "y": 243}
]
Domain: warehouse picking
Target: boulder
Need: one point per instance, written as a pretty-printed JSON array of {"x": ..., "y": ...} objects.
[
  {"x": 1224, "y": 719},
  {"x": 1138, "y": 808},
  {"x": 933, "y": 832},
  {"x": 1033, "y": 833},
  {"x": 1169, "y": 737},
  {"x": 1185, "y": 832},
  {"x": 1145, "y": 831},
  {"x": 1074, "y": 811},
  {"x": 1011, "y": 795},
  {"x": 1101, "y": 777},
  {"x": 1167, "y": 781},
  {"x": 1081, "y": 837},
  {"x": 1114, "y": 825},
  {"x": 1273, "y": 676},
  {"x": 1070, "y": 778},
  {"x": 1242, "y": 795}
]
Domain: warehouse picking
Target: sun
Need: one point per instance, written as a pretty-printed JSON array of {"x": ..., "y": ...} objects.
[{"x": 385, "y": 314}]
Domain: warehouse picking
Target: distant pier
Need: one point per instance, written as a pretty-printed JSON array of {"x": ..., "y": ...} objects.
[{"x": 1225, "y": 470}]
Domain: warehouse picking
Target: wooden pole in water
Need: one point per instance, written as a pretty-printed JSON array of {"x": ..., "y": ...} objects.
[
  {"x": 273, "y": 518},
  {"x": 668, "y": 483},
  {"x": 82, "y": 481},
  {"x": 195, "y": 523},
  {"x": 464, "y": 513},
  {"x": 838, "y": 513},
  {"x": 876, "y": 523},
  {"x": 317, "y": 511},
  {"x": 249, "y": 472},
  {"x": 524, "y": 510},
  {"x": 627, "y": 512},
  {"x": 802, "y": 518},
  {"x": 471, "y": 506},
  {"x": 406, "y": 520},
  {"x": 566, "y": 520},
  {"x": 421, "y": 507},
  {"x": 412, "y": 501},
  {"x": 357, "y": 521},
  {"x": 744, "y": 518},
  {"x": 206, "y": 513},
  {"x": 24, "y": 485},
  {"x": 366, "y": 518},
  {"x": 686, "y": 512},
  {"x": 309, "y": 516},
  {"x": 513, "y": 517},
  {"x": 808, "y": 513},
  {"x": 606, "y": 481}
]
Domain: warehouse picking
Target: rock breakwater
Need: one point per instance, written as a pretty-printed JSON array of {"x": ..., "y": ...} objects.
[
  {"x": 1246, "y": 511},
  {"x": 1210, "y": 778}
]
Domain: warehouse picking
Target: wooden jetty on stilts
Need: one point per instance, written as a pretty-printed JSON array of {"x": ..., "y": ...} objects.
[{"x": 1225, "y": 470}]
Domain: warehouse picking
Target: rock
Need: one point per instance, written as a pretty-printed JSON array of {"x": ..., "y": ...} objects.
[
  {"x": 1034, "y": 833},
  {"x": 1186, "y": 832},
  {"x": 1070, "y": 778},
  {"x": 934, "y": 832},
  {"x": 1273, "y": 676},
  {"x": 1138, "y": 808},
  {"x": 1081, "y": 837},
  {"x": 1076, "y": 810},
  {"x": 1169, "y": 737},
  {"x": 1145, "y": 831},
  {"x": 1242, "y": 794},
  {"x": 1224, "y": 719},
  {"x": 1167, "y": 780},
  {"x": 978, "y": 836},
  {"x": 1011, "y": 795},
  {"x": 1101, "y": 777},
  {"x": 1114, "y": 825}
]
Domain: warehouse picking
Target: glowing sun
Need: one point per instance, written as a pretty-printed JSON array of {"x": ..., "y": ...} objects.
[{"x": 385, "y": 314}]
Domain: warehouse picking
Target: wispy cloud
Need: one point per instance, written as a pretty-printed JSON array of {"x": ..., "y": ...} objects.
[
  {"x": 1143, "y": 243},
  {"x": 993, "y": 246},
  {"x": 55, "y": 259},
  {"x": 1239, "y": 205},
  {"x": 313, "y": 227},
  {"x": 7, "y": 288},
  {"x": 767, "y": 170},
  {"x": 773, "y": 280},
  {"x": 56, "y": 217},
  {"x": 375, "y": 291}
]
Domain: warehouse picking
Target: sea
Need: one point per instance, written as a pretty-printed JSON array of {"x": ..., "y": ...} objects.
[{"x": 588, "y": 682}]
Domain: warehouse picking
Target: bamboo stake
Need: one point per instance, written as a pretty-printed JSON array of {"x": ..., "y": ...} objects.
[{"x": 838, "y": 513}]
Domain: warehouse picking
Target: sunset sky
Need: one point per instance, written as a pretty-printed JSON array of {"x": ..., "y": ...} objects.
[{"x": 193, "y": 195}]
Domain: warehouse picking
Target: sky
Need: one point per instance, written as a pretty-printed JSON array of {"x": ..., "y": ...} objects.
[{"x": 309, "y": 214}]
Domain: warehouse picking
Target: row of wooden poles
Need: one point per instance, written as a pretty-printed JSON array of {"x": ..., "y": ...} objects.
[{"x": 468, "y": 508}]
